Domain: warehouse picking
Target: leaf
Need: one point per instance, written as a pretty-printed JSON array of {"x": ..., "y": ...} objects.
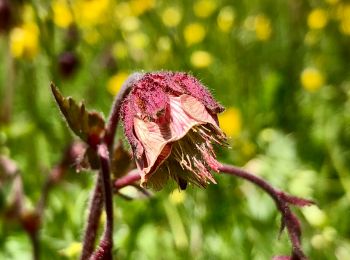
[{"x": 89, "y": 126}]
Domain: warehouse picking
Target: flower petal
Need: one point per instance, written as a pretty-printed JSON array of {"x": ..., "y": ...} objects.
[
  {"x": 180, "y": 121},
  {"x": 185, "y": 112},
  {"x": 194, "y": 108},
  {"x": 153, "y": 137}
]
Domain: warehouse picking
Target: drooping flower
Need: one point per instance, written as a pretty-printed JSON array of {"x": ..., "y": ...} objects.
[{"x": 170, "y": 120}]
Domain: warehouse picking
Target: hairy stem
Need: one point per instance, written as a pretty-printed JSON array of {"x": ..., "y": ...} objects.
[
  {"x": 114, "y": 115},
  {"x": 34, "y": 239},
  {"x": 106, "y": 242},
  {"x": 129, "y": 179},
  {"x": 104, "y": 250},
  {"x": 95, "y": 209},
  {"x": 282, "y": 200}
]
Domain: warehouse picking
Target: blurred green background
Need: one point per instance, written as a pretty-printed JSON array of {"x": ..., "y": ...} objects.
[{"x": 281, "y": 68}]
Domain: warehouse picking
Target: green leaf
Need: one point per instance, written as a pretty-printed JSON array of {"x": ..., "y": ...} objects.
[{"x": 88, "y": 125}]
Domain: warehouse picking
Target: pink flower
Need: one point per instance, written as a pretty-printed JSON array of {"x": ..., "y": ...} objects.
[{"x": 170, "y": 121}]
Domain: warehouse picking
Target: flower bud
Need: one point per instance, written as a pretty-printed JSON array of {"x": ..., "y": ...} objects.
[
  {"x": 67, "y": 64},
  {"x": 5, "y": 15}
]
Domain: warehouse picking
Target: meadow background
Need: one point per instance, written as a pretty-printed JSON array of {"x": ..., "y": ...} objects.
[{"x": 281, "y": 69}]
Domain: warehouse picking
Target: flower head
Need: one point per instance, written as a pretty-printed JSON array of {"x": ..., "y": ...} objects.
[{"x": 170, "y": 121}]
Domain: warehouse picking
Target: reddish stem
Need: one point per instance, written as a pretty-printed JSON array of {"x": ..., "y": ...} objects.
[
  {"x": 114, "y": 115},
  {"x": 35, "y": 245},
  {"x": 104, "y": 250},
  {"x": 106, "y": 242},
  {"x": 95, "y": 209},
  {"x": 129, "y": 179},
  {"x": 282, "y": 200}
]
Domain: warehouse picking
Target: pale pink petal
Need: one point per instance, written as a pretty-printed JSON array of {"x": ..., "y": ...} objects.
[
  {"x": 180, "y": 121},
  {"x": 161, "y": 158},
  {"x": 195, "y": 109},
  {"x": 153, "y": 137}
]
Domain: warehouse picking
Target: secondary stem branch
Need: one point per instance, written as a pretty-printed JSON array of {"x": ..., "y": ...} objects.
[
  {"x": 114, "y": 115},
  {"x": 282, "y": 200},
  {"x": 129, "y": 179}
]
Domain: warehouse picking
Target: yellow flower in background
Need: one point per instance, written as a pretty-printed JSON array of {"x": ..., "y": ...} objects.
[
  {"x": 122, "y": 10},
  {"x": 231, "y": 122},
  {"x": 130, "y": 24},
  {"x": 311, "y": 37},
  {"x": 28, "y": 15},
  {"x": 177, "y": 196},
  {"x": 116, "y": 81},
  {"x": 171, "y": 16},
  {"x": 201, "y": 59},
  {"x": 343, "y": 15},
  {"x": 248, "y": 148},
  {"x": 120, "y": 50},
  {"x": 332, "y": 2},
  {"x": 139, "y": 7},
  {"x": 62, "y": 15},
  {"x": 91, "y": 12},
  {"x": 91, "y": 35},
  {"x": 138, "y": 40},
  {"x": 194, "y": 33},
  {"x": 317, "y": 19},
  {"x": 262, "y": 26},
  {"x": 164, "y": 43},
  {"x": 24, "y": 41},
  {"x": 226, "y": 18},
  {"x": 311, "y": 79},
  {"x": 345, "y": 26},
  {"x": 204, "y": 8},
  {"x": 73, "y": 250}
]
